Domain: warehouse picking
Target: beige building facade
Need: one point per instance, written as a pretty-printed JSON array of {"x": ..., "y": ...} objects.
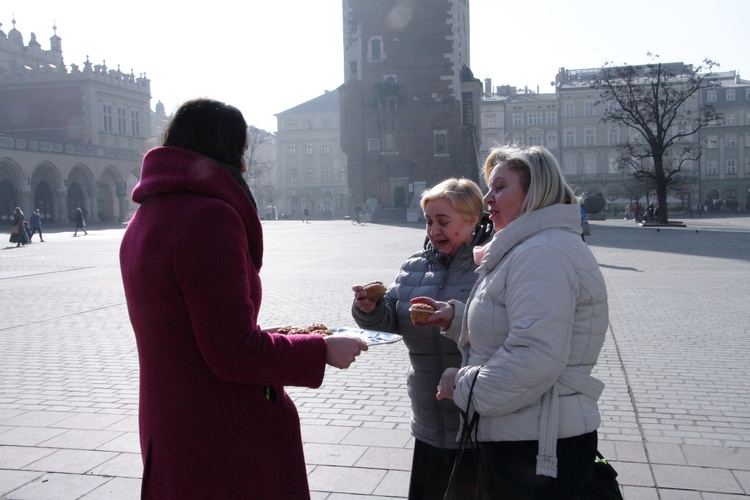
[
  {"x": 69, "y": 137},
  {"x": 311, "y": 169}
]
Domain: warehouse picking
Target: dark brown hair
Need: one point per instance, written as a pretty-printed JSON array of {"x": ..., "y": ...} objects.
[{"x": 210, "y": 128}]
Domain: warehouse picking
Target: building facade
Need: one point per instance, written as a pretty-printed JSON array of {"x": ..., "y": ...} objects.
[
  {"x": 569, "y": 123},
  {"x": 311, "y": 168},
  {"x": 69, "y": 138},
  {"x": 409, "y": 102},
  {"x": 724, "y": 182}
]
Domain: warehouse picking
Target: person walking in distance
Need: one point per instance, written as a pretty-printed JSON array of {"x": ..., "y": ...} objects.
[
  {"x": 80, "y": 221},
  {"x": 35, "y": 223}
]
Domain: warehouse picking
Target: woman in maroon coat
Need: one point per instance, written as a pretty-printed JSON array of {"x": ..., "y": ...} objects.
[{"x": 215, "y": 421}]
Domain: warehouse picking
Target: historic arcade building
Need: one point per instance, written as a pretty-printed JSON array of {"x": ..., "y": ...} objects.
[{"x": 69, "y": 137}]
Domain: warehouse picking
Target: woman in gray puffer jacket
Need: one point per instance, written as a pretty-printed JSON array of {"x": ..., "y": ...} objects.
[{"x": 444, "y": 269}]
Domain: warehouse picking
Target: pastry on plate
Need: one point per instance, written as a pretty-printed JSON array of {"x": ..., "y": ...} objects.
[{"x": 316, "y": 329}]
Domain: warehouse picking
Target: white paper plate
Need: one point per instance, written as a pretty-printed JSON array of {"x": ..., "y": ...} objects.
[{"x": 372, "y": 337}]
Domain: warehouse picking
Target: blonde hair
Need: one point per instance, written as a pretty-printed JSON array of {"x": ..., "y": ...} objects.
[
  {"x": 540, "y": 174},
  {"x": 464, "y": 195}
]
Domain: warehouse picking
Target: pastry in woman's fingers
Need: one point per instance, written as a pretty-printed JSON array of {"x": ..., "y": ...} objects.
[
  {"x": 375, "y": 290},
  {"x": 420, "y": 312}
]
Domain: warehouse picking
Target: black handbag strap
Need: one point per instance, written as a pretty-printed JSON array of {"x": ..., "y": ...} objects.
[{"x": 468, "y": 440}]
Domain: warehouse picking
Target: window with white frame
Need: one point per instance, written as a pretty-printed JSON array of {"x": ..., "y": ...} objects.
[
  {"x": 517, "y": 119},
  {"x": 326, "y": 174},
  {"x": 342, "y": 174},
  {"x": 490, "y": 120},
  {"x": 711, "y": 96},
  {"x": 292, "y": 176},
  {"x": 308, "y": 148},
  {"x": 569, "y": 110},
  {"x": 730, "y": 140},
  {"x": 613, "y": 162},
  {"x": 588, "y": 108},
  {"x": 731, "y": 166},
  {"x": 570, "y": 163},
  {"x": 730, "y": 120},
  {"x": 730, "y": 95},
  {"x": 107, "y": 118},
  {"x": 309, "y": 175},
  {"x": 551, "y": 117},
  {"x": 613, "y": 137},
  {"x": 570, "y": 137},
  {"x": 535, "y": 140},
  {"x": 712, "y": 141},
  {"x": 325, "y": 148},
  {"x": 589, "y": 137},
  {"x": 325, "y": 123},
  {"x": 712, "y": 167},
  {"x": 533, "y": 119},
  {"x": 375, "y": 49},
  {"x": 291, "y": 125},
  {"x": 292, "y": 149},
  {"x": 589, "y": 162},
  {"x": 551, "y": 140},
  {"x": 308, "y": 124}
]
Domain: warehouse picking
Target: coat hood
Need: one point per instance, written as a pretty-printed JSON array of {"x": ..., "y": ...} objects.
[
  {"x": 168, "y": 170},
  {"x": 559, "y": 216}
]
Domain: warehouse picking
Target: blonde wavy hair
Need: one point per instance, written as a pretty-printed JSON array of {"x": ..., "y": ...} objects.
[
  {"x": 463, "y": 194},
  {"x": 541, "y": 177}
]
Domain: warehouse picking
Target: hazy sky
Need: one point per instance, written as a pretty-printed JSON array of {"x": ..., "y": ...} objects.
[{"x": 266, "y": 56}]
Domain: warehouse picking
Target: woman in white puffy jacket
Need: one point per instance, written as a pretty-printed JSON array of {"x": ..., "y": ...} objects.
[{"x": 530, "y": 333}]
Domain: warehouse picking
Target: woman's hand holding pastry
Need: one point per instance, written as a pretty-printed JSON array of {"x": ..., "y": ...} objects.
[
  {"x": 441, "y": 318},
  {"x": 361, "y": 301}
]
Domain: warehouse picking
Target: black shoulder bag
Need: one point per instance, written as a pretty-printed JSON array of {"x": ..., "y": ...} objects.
[
  {"x": 603, "y": 483},
  {"x": 467, "y": 479}
]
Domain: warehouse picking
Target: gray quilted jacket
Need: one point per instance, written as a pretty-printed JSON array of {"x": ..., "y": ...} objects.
[{"x": 423, "y": 274}]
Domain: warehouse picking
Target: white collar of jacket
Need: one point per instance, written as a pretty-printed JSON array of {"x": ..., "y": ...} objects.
[{"x": 559, "y": 216}]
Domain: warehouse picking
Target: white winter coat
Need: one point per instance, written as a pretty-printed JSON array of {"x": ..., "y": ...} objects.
[{"x": 533, "y": 327}]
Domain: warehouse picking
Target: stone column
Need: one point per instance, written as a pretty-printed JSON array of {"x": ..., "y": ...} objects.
[{"x": 62, "y": 207}]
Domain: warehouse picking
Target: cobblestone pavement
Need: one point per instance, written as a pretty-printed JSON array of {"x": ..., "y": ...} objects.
[{"x": 675, "y": 409}]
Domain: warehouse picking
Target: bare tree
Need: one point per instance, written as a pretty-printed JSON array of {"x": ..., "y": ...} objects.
[
  {"x": 658, "y": 103},
  {"x": 257, "y": 165}
]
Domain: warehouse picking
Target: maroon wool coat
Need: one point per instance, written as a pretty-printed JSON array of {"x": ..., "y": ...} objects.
[{"x": 190, "y": 259}]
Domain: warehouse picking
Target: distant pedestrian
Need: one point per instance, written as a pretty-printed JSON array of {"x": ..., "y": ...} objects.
[
  {"x": 36, "y": 225},
  {"x": 627, "y": 211},
  {"x": 650, "y": 212},
  {"x": 306, "y": 215},
  {"x": 637, "y": 212},
  {"x": 80, "y": 222},
  {"x": 583, "y": 220},
  {"x": 17, "y": 232}
]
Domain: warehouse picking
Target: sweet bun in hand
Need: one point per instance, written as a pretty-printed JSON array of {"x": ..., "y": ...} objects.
[
  {"x": 375, "y": 290},
  {"x": 420, "y": 312}
]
